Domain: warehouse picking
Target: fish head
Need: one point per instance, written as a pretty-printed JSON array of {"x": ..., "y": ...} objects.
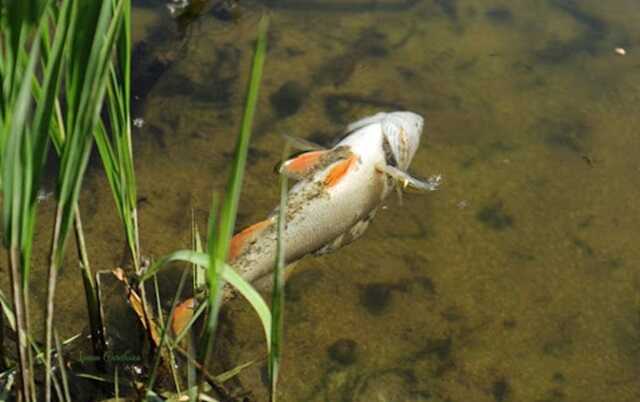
[{"x": 402, "y": 132}]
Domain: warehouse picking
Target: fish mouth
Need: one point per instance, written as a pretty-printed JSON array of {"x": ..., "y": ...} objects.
[{"x": 402, "y": 135}]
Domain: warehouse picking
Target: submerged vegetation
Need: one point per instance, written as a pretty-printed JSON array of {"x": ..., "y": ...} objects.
[{"x": 65, "y": 75}]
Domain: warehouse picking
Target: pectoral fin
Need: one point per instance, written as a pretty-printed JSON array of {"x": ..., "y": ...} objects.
[
  {"x": 339, "y": 171},
  {"x": 406, "y": 181}
]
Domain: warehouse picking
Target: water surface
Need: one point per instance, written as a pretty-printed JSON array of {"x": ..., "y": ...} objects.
[{"x": 516, "y": 281}]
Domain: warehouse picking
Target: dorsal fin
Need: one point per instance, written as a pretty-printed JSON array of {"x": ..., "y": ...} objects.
[
  {"x": 308, "y": 163},
  {"x": 302, "y": 165}
]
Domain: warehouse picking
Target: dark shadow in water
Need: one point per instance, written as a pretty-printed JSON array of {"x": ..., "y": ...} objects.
[
  {"x": 589, "y": 41},
  {"x": 343, "y": 351},
  {"x": 288, "y": 99},
  {"x": 500, "y": 390},
  {"x": 495, "y": 217},
  {"x": 377, "y": 297},
  {"x": 568, "y": 135},
  {"x": 147, "y": 70}
]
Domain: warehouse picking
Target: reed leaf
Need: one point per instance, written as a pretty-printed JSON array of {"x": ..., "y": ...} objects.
[
  {"x": 63, "y": 370},
  {"x": 115, "y": 144},
  {"x": 163, "y": 336},
  {"x": 96, "y": 29},
  {"x": 19, "y": 206},
  {"x": 277, "y": 296},
  {"x": 220, "y": 246},
  {"x": 7, "y": 309}
]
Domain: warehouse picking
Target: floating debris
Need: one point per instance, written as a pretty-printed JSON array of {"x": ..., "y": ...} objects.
[
  {"x": 44, "y": 195},
  {"x": 620, "y": 51},
  {"x": 138, "y": 122},
  {"x": 177, "y": 7}
]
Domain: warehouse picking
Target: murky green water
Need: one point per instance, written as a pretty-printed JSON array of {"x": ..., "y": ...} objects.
[{"x": 516, "y": 281}]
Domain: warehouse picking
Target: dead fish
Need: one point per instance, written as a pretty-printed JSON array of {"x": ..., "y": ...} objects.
[{"x": 337, "y": 193}]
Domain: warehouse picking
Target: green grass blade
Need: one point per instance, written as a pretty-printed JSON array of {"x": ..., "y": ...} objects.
[
  {"x": 7, "y": 309},
  {"x": 227, "y": 375},
  {"x": 199, "y": 272},
  {"x": 51, "y": 83},
  {"x": 17, "y": 176},
  {"x": 5, "y": 392},
  {"x": 163, "y": 334},
  {"x": 277, "y": 299},
  {"x": 13, "y": 166},
  {"x": 116, "y": 384},
  {"x": 77, "y": 148},
  {"x": 215, "y": 281},
  {"x": 63, "y": 370},
  {"x": 116, "y": 150},
  {"x": 220, "y": 246},
  {"x": 85, "y": 94},
  {"x": 230, "y": 205}
]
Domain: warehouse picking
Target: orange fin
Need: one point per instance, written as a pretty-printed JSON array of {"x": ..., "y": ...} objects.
[
  {"x": 240, "y": 241},
  {"x": 182, "y": 315},
  {"x": 339, "y": 171},
  {"x": 303, "y": 164}
]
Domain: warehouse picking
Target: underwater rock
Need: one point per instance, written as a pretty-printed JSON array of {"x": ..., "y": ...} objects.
[
  {"x": 288, "y": 99},
  {"x": 376, "y": 297},
  {"x": 343, "y": 351},
  {"x": 500, "y": 390},
  {"x": 495, "y": 217}
]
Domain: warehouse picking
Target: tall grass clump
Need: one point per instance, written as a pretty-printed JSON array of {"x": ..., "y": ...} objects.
[
  {"x": 43, "y": 44},
  {"x": 65, "y": 84},
  {"x": 56, "y": 63}
]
